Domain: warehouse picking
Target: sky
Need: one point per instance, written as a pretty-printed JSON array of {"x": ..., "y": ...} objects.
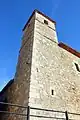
[{"x": 13, "y": 16}]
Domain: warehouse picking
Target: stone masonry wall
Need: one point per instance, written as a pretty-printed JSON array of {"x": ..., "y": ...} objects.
[
  {"x": 53, "y": 69},
  {"x": 46, "y": 75},
  {"x": 18, "y": 92}
]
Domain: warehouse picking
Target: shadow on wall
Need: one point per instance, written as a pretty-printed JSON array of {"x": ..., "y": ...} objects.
[{"x": 3, "y": 107}]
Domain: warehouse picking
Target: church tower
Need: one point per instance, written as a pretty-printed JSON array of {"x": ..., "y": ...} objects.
[
  {"x": 48, "y": 72},
  {"x": 39, "y": 35}
]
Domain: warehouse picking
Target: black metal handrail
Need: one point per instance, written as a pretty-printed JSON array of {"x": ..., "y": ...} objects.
[
  {"x": 28, "y": 108},
  {"x": 16, "y": 105},
  {"x": 46, "y": 109},
  {"x": 13, "y": 113}
]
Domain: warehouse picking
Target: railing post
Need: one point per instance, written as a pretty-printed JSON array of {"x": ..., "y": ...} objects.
[
  {"x": 28, "y": 112},
  {"x": 66, "y": 114}
]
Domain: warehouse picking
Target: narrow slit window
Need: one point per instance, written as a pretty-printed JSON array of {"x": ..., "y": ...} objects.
[
  {"x": 77, "y": 67},
  {"x": 52, "y": 92},
  {"x": 46, "y": 22}
]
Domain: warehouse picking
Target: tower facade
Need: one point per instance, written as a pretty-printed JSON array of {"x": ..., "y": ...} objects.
[
  {"x": 48, "y": 73},
  {"x": 39, "y": 31}
]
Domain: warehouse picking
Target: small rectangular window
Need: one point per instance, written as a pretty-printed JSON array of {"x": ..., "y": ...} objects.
[
  {"x": 77, "y": 67},
  {"x": 46, "y": 22},
  {"x": 52, "y": 92}
]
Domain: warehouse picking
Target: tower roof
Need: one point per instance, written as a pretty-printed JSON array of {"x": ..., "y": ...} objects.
[{"x": 39, "y": 13}]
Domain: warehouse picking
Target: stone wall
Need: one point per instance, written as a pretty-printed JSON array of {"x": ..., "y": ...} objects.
[
  {"x": 18, "y": 92},
  {"x": 46, "y": 75},
  {"x": 53, "y": 70}
]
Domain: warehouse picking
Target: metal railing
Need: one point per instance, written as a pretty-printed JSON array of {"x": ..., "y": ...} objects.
[
  {"x": 8, "y": 113},
  {"x": 48, "y": 112},
  {"x": 31, "y": 112}
]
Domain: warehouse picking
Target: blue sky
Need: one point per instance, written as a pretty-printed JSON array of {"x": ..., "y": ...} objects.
[{"x": 15, "y": 13}]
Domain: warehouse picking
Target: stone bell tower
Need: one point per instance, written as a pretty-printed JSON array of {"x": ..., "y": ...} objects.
[
  {"x": 39, "y": 34},
  {"x": 48, "y": 73}
]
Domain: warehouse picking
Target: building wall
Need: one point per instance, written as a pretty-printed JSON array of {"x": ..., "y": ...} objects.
[
  {"x": 18, "y": 92},
  {"x": 44, "y": 67},
  {"x": 53, "y": 68},
  {"x": 20, "y": 88}
]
